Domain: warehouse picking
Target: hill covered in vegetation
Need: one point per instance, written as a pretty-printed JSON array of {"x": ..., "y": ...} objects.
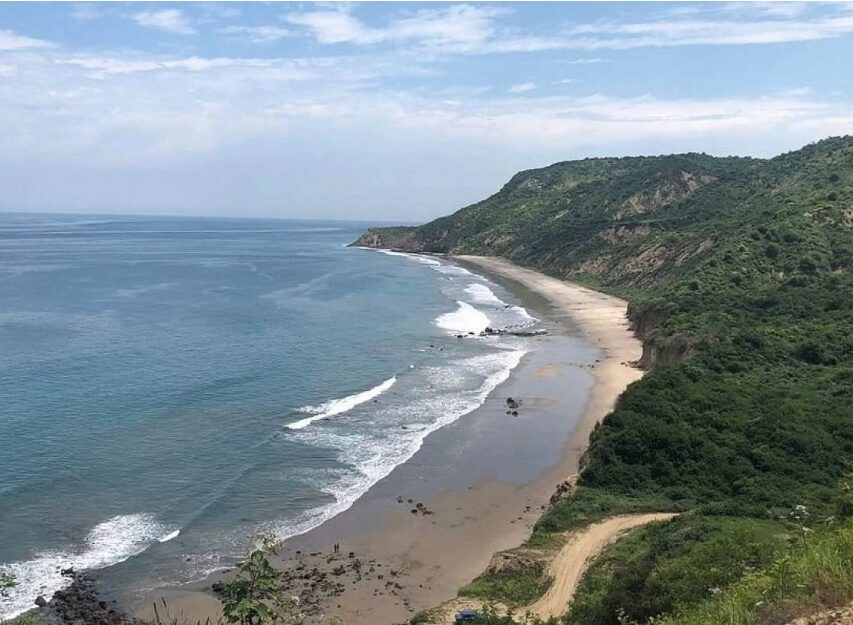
[{"x": 737, "y": 272}]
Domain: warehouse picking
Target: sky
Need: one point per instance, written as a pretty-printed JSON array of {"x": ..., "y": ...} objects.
[{"x": 391, "y": 111}]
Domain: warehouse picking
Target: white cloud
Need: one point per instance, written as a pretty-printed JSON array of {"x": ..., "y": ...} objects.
[
  {"x": 476, "y": 29},
  {"x": 457, "y": 26},
  {"x": 589, "y": 61},
  {"x": 336, "y": 26},
  {"x": 564, "y": 81},
  {"x": 203, "y": 105},
  {"x": 169, "y": 20},
  {"x": 522, "y": 87},
  {"x": 257, "y": 34},
  {"x": 767, "y": 9},
  {"x": 6, "y": 70},
  {"x": 622, "y": 36},
  {"x": 104, "y": 67},
  {"x": 13, "y": 41}
]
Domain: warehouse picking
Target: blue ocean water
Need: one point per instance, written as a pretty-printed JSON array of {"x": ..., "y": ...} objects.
[{"x": 169, "y": 387}]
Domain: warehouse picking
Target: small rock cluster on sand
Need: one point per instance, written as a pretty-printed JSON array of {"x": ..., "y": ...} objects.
[
  {"x": 512, "y": 406},
  {"x": 419, "y": 508},
  {"x": 317, "y": 579}
]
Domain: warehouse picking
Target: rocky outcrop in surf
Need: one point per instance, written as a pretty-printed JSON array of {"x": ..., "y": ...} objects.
[{"x": 79, "y": 604}]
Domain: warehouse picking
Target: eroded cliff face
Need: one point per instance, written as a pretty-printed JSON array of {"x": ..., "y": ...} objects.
[
  {"x": 658, "y": 350},
  {"x": 665, "y": 193}
]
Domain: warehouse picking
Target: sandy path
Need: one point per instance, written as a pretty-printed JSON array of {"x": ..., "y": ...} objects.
[{"x": 571, "y": 563}]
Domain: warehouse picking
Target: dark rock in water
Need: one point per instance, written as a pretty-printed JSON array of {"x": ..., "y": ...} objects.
[
  {"x": 79, "y": 604},
  {"x": 460, "y": 336},
  {"x": 508, "y": 331},
  {"x": 529, "y": 333},
  {"x": 512, "y": 404},
  {"x": 515, "y": 413},
  {"x": 69, "y": 572}
]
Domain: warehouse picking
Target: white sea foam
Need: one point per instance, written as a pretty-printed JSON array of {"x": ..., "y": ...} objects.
[
  {"x": 337, "y": 406},
  {"x": 108, "y": 543},
  {"x": 483, "y": 294},
  {"x": 453, "y": 270},
  {"x": 418, "y": 258},
  {"x": 169, "y": 536},
  {"x": 373, "y": 453},
  {"x": 464, "y": 319},
  {"x": 145, "y": 289},
  {"x": 523, "y": 312}
]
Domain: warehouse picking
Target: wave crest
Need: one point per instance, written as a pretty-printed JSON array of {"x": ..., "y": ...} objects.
[{"x": 337, "y": 406}]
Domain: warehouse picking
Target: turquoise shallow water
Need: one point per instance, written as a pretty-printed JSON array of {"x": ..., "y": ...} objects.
[{"x": 171, "y": 386}]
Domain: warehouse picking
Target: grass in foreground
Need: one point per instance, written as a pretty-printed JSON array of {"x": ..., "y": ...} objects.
[
  {"x": 654, "y": 569},
  {"x": 817, "y": 573}
]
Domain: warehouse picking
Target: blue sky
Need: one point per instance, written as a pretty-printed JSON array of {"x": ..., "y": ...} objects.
[{"x": 391, "y": 111}]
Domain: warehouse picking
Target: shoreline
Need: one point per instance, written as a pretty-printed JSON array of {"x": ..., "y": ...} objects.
[
  {"x": 426, "y": 559},
  {"x": 602, "y": 318}
]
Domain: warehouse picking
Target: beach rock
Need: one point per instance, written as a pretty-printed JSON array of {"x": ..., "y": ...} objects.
[
  {"x": 563, "y": 489},
  {"x": 511, "y": 403},
  {"x": 79, "y": 604},
  {"x": 528, "y": 333}
]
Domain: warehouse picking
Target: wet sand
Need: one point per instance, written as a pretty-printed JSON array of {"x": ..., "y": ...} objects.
[{"x": 477, "y": 485}]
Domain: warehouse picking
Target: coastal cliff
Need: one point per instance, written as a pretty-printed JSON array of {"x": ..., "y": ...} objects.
[
  {"x": 395, "y": 238},
  {"x": 737, "y": 273}
]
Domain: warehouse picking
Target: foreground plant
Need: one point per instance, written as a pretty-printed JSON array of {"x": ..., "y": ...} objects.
[{"x": 253, "y": 597}]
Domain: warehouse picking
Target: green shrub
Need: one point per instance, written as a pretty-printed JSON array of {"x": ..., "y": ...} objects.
[{"x": 520, "y": 586}]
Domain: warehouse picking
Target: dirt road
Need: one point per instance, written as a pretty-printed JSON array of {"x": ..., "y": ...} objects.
[{"x": 568, "y": 567}]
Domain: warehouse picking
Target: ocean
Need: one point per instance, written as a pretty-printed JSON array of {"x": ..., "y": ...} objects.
[{"x": 172, "y": 387}]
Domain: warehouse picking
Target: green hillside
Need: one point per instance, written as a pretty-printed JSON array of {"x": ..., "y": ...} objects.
[{"x": 738, "y": 276}]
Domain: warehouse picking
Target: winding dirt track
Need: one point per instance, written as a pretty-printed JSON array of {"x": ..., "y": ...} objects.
[{"x": 568, "y": 567}]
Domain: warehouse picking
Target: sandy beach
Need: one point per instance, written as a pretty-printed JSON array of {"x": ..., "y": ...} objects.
[
  {"x": 603, "y": 320},
  {"x": 477, "y": 486}
]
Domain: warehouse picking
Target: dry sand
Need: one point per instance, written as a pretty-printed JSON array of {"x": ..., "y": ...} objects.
[{"x": 419, "y": 561}]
